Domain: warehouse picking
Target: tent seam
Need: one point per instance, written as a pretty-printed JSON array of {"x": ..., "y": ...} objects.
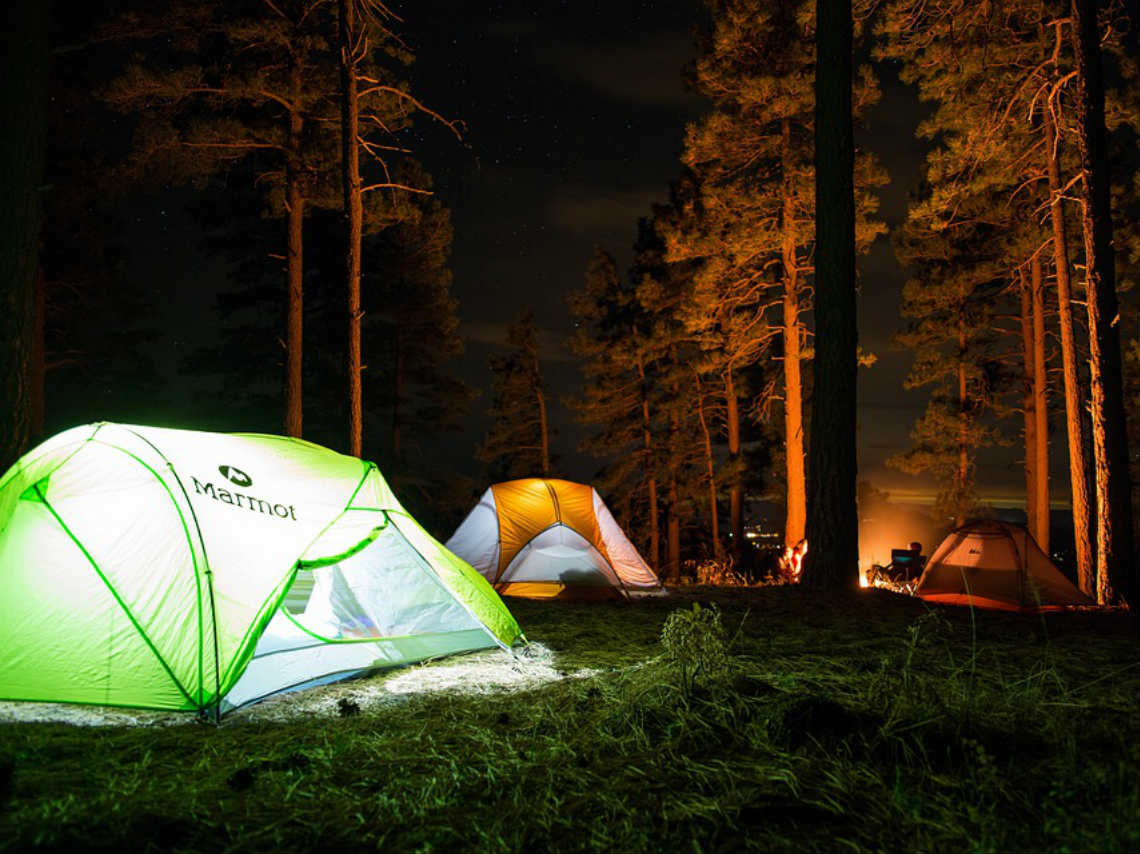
[
  {"x": 205, "y": 559},
  {"x": 114, "y": 593}
]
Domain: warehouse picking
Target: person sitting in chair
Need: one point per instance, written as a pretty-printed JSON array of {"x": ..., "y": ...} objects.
[{"x": 905, "y": 567}]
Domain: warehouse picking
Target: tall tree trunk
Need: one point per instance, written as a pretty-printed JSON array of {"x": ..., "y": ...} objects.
[
  {"x": 1115, "y": 557},
  {"x": 1029, "y": 402},
  {"x": 736, "y": 488},
  {"x": 1040, "y": 404},
  {"x": 710, "y": 471},
  {"x": 1078, "y": 485},
  {"x": 647, "y": 445},
  {"x": 23, "y": 126},
  {"x": 795, "y": 490},
  {"x": 540, "y": 396},
  {"x": 38, "y": 373},
  {"x": 673, "y": 532},
  {"x": 832, "y": 518},
  {"x": 351, "y": 42},
  {"x": 397, "y": 393},
  {"x": 295, "y": 271},
  {"x": 962, "y": 476}
]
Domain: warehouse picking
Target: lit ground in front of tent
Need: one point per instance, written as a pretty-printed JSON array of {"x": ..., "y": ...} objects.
[{"x": 484, "y": 672}]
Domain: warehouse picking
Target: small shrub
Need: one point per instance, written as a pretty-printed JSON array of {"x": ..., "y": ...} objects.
[{"x": 695, "y": 643}]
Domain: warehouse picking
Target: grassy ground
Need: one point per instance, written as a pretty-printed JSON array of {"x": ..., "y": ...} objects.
[{"x": 831, "y": 722}]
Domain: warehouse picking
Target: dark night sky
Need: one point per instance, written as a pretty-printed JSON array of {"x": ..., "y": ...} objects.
[{"x": 575, "y": 115}]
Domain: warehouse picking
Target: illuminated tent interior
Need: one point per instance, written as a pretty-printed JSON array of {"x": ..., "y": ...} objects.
[
  {"x": 172, "y": 569},
  {"x": 996, "y": 565},
  {"x": 542, "y": 538}
]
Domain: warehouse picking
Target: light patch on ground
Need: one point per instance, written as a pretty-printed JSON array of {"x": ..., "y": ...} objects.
[{"x": 484, "y": 672}]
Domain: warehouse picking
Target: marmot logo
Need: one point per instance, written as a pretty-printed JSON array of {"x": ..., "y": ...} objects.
[{"x": 235, "y": 476}]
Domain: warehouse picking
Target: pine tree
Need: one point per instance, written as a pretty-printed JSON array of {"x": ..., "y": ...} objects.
[
  {"x": 24, "y": 50},
  {"x": 611, "y": 338},
  {"x": 749, "y": 223},
  {"x": 833, "y": 520},
  {"x": 1115, "y": 556},
  {"x": 518, "y": 441}
]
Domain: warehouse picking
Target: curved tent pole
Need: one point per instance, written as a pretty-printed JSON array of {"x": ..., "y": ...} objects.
[{"x": 209, "y": 573}]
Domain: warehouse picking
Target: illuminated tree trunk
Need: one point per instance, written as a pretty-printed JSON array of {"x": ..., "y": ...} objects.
[
  {"x": 351, "y": 42},
  {"x": 1029, "y": 403},
  {"x": 1074, "y": 429},
  {"x": 833, "y": 520},
  {"x": 962, "y": 477},
  {"x": 710, "y": 471},
  {"x": 1040, "y": 405},
  {"x": 795, "y": 491},
  {"x": 540, "y": 397},
  {"x": 294, "y": 273},
  {"x": 673, "y": 532},
  {"x": 647, "y": 444},
  {"x": 736, "y": 488},
  {"x": 23, "y": 120},
  {"x": 1110, "y": 446}
]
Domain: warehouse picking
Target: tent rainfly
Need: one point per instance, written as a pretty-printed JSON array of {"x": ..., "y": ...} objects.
[
  {"x": 991, "y": 564},
  {"x": 172, "y": 569},
  {"x": 542, "y": 538}
]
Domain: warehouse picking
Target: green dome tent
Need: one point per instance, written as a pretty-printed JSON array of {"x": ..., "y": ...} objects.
[{"x": 172, "y": 569}]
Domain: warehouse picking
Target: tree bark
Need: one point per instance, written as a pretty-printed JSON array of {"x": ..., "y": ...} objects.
[
  {"x": 832, "y": 518},
  {"x": 350, "y": 43},
  {"x": 736, "y": 487},
  {"x": 1078, "y": 485},
  {"x": 647, "y": 444},
  {"x": 710, "y": 471},
  {"x": 38, "y": 374},
  {"x": 1040, "y": 405},
  {"x": 294, "y": 274},
  {"x": 24, "y": 51},
  {"x": 795, "y": 490},
  {"x": 962, "y": 476},
  {"x": 1115, "y": 556},
  {"x": 673, "y": 532},
  {"x": 541, "y": 398},
  {"x": 397, "y": 393},
  {"x": 1029, "y": 403}
]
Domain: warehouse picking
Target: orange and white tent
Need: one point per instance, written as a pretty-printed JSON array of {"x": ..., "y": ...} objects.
[
  {"x": 996, "y": 565},
  {"x": 542, "y": 538}
]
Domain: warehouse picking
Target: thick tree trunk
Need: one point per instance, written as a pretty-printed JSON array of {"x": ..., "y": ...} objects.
[
  {"x": 295, "y": 271},
  {"x": 397, "y": 394},
  {"x": 1040, "y": 406},
  {"x": 351, "y": 42},
  {"x": 962, "y": 475},
  {"x": 710, "y": 471},
  {"x": 673, "y": 532},
  {"x": 736, "y": 488},
  {"x": 832, "y": 518},
  {"x": 1029, "y": 403},
  {"x": 23, "y": 122},
  {"x": 1115, "y": 556},
  {"x": 795, "y": 490},
  {"x": 1078, "y": 484},
  {"x": 647, "y": 444},
  {"x": 540, "y": 396},
  {"x": 38, "y": 374}
]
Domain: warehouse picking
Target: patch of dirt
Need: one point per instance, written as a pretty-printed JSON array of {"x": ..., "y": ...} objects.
[{"x": 484, "y": 672}]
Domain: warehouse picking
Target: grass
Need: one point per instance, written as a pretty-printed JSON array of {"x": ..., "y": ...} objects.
[{"x": 784, "y": 720}]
